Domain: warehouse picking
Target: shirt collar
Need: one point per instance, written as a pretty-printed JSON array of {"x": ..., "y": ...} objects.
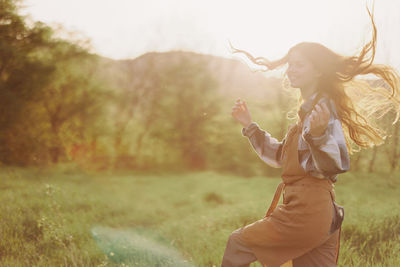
[{"x": 307, "y": 106}]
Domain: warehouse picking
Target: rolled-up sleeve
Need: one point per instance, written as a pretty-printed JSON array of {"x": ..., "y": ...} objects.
[
  {"x": 328, "y": 152},
  {"x": 266, "y": 147}
]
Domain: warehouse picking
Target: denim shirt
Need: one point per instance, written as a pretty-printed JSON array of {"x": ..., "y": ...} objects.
[{"x": 324, "y": 156}]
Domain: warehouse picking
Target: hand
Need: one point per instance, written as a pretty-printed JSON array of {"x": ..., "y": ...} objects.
[
  {"x": 319, "y": 119},
  {"x": 241, "y": 113}
]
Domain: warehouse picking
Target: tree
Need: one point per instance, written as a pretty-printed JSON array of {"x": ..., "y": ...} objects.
[
  {"x": 50, "y": 94},
  {"x": 22, "y": 73},
  {"x": 73, "y": 99},
  {"x": 187, "y": 105}
]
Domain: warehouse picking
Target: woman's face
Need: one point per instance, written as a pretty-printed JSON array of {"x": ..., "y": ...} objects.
[{"x": 301, "y": 72}]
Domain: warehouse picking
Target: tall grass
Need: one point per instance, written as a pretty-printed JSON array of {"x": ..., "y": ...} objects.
[{"x": 66, "y": 218}]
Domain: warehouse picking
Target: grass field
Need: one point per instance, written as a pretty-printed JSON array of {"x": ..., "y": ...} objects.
[{"x": 68, "y": 218}]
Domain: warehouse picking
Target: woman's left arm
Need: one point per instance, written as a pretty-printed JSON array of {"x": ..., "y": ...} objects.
[{"x": 328, "y": 151}]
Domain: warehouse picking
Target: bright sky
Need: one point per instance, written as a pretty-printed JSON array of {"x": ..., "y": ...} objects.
[{"x": 128, "y": 28}]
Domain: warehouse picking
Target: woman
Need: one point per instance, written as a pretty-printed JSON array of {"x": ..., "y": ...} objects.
[{"x": 333, "y": 118}]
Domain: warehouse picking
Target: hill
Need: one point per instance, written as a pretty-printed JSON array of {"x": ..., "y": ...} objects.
[{"x": 233, "y": 76}]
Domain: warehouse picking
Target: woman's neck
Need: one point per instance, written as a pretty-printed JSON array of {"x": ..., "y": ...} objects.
[{"x": 307, "y": 92}]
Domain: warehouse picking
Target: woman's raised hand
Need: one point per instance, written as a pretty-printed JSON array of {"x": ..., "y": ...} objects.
[
  {"x": 241, "y": 113},
  {"x": 319, "y": 119}
]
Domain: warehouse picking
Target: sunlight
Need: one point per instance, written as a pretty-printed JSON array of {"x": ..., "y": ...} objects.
[{"x": 127, "y": 29}]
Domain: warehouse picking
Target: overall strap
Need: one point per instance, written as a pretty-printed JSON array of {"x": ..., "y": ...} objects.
[
  {"x": 339, "y": 211},
  {"x": 276, "y": 198},
  {"x": 338, "y": 245}
]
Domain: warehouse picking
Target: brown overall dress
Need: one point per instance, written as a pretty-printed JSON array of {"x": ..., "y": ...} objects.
[{"x": 299, "y": 227}]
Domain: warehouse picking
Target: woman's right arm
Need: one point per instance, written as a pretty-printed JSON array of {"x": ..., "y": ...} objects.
[{"x": 269, "y": 149}]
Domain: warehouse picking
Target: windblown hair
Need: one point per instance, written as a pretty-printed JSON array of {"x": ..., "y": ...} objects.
[{"x": 358, "y": 103}]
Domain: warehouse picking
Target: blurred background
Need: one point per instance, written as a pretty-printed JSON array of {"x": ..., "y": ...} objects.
[
  {"x": 114, "y": 96},
  {"x": 150, "y": 85}
]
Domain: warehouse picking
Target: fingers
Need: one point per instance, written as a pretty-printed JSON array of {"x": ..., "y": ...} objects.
[
  {"x": 324, "y": 111},
  {"x": 314, "y": 119},
  {"x": 326, "y": 108},
  {"x": 319, "y": 118},
  {"x": 245, "y": 105},
  {"x": 235, "y": 109},
  {"x": 318, "y": 108},
  {"x": 317, "y": 114},
  {"x": 321, "y": 113},
  {"x": 241, "y": 104}
]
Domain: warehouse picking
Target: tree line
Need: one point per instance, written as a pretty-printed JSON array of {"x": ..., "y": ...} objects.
[{"x": 59, "y": 103}]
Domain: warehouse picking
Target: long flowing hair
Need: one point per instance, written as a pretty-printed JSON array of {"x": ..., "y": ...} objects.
[{"x": 359, "y": 103}]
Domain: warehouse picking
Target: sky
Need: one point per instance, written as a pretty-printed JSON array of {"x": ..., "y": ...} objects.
[{"x": 126, "y": 29}]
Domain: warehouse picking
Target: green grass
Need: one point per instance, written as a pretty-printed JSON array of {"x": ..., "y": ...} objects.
[{"x": 61, "y": 218}]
